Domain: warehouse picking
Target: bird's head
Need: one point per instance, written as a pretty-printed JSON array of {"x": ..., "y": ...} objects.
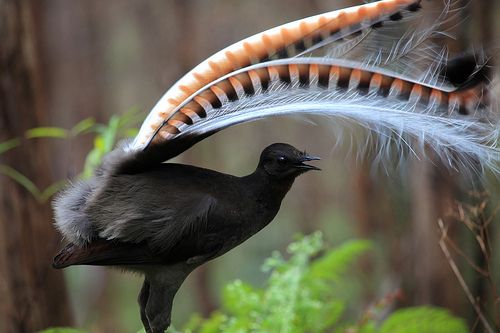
[{"x": 281, "y": 161}]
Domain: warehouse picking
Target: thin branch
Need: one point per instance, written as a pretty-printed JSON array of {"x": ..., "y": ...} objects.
[
  {"x": 461, "y": 253},
  {"x": 463, "y": 284}
]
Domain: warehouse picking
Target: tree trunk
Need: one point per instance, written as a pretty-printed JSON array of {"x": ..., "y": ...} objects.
[
  {"x": 434, "y": 283},
  {"x": 33, "y": 295}
]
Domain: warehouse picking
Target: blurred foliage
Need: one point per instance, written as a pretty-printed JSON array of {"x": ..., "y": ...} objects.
[
  {"x": 305, "y": 294},
  {"x": 61, "y": 330},
  {"x": 41, "y": 195},
  {"x": 82, "y": 127},
  {"x": 8, "y": 145},
  {"x": 422, "y": 319},
  {"x": 106, "y": 137},
  {"x": 309, "y": 292}
]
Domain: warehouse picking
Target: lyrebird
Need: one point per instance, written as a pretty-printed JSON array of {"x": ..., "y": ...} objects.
[{"x": 374, "y": 64}]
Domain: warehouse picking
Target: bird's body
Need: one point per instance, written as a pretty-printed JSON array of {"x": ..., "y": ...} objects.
[
  {"x": 169, "y": 219},
  {"x": 376, "y": 65},
  {"x": 190, "y": 211}
]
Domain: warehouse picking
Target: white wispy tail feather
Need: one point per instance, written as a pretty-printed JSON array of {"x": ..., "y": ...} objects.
[
  {"x": 402, "y": 48},
  {"x": 459, "y": 141}
]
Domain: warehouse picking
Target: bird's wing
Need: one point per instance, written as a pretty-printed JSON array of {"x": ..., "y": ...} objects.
[
  {"x": 182, "y": 217},
  {"x": 373, "y": 64},
  {"x": 127, "y": 242},
  {"x": 101, "y": 252}
]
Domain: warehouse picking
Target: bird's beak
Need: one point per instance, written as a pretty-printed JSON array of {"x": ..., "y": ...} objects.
[{"x": 307, "y": 158}]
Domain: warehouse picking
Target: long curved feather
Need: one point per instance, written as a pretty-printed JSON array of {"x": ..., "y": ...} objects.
[
  {"x": 282, "y": 42},
  {"x": 399, "y": 110},
  {"x": 406, "y": 46},
  {"x": 364, "y": 69}
]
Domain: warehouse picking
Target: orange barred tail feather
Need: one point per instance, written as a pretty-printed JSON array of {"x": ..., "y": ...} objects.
[
  {"x": 377, "y": 65},
  {"x": 323, "y": 76},
  {"x": 283, "y": 42}
]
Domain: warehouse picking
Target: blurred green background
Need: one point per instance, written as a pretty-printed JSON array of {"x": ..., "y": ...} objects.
[{"x": 99, "y": 58}]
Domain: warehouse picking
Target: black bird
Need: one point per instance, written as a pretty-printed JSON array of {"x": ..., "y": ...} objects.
[
  {"x": 193, "y": 215},
  {"x": 164, "y": 220}
]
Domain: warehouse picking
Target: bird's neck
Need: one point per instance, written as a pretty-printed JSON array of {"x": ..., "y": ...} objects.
[{"x": 267, "y": 189}]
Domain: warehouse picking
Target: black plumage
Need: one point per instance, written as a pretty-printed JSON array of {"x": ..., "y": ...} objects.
[
  {"x": 360, "y": 64},
  {"x": 169, "y": 219}
]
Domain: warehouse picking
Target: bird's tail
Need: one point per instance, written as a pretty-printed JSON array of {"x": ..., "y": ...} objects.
[{"x": 377, "y": 65}]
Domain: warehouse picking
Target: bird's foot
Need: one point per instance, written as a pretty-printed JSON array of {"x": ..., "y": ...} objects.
[
  {"x": 156, "y": 298},
  {"x": 143, "y": 301},
  {"x": 159, "y": 325}
]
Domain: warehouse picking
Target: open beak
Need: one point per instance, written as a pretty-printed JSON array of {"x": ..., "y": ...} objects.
[{"x": 307, "y": 158}]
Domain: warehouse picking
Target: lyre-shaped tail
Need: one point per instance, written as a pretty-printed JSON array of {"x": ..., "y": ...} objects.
[
  {"x": 374, "y": 64},
  {"x": 286, "y": 41}
]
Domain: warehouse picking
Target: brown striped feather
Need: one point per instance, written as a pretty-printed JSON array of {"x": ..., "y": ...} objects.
[{"x": 275, "y": 43}]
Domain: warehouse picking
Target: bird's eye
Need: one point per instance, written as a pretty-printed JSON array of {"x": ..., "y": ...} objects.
[{"x": 282, "y": 160}]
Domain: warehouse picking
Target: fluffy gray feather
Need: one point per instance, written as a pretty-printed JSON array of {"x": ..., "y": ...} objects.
[
  {"x": 69, "y": 212},
  {"x": 115, "y": 206}
]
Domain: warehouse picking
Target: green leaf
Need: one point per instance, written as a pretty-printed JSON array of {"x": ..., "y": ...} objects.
[
  {"x": 99, "y": 144},
  {"x": 91, "y": 162},
  {"x": 61, "y": 330},
  {"x": 20, "y": 179},
  {"x": 83, "y": 126},
  {"x": 423, "y": 319},
  {"x": 274, "y": 261},
  {"x": 337, "y": 260},
  {"x": 309, "y": 245},
  {"x": 9, "y": 144},
  {"x": 322, "y": 315},
  {"x": 213, "y": 324},
  {"x": 131, "y": 132},
  {"x": 369, "y": 327},
  {"x": 47, "y": 132},
  {"x": 193, "y": 323},
  {"x": 303, "y": 294},
  {"x": 99, "y": 128},
  {"x": 132, "y": 117},
  {"x": 239, "y": 298},
  {"x": 110, "y": 135},
  {"x": 52, "y": 189}
]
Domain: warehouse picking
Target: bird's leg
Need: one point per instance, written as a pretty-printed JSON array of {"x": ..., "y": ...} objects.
[
  {"x": 143, "y": 300},
  {"x": 159, "y": 307},
  {"x": 162, "y": 288}
]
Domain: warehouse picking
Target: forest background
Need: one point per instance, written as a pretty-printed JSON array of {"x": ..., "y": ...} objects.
[{"x": 76, "y": 64}]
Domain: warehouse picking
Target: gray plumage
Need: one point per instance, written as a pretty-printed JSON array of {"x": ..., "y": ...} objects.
[{"x": 69, "y": 212}]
